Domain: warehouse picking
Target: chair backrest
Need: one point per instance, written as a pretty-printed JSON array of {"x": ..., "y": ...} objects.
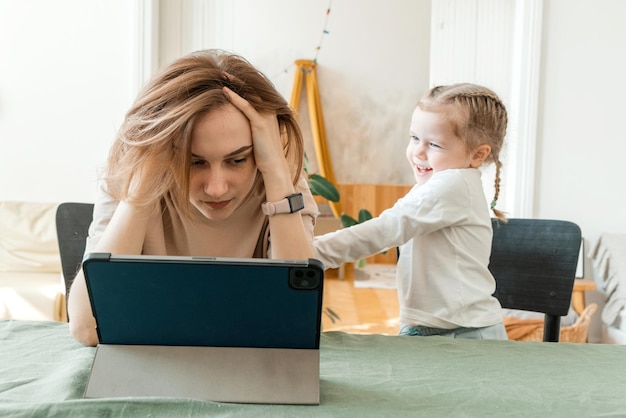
[
  {"x": 72, "y": 223},
  {"x": 534, "y": 263}
]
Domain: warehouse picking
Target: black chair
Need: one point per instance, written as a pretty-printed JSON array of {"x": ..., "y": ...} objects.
[
  {"x": 534, "y": 263},
  {"x": 72, "y": 223}
]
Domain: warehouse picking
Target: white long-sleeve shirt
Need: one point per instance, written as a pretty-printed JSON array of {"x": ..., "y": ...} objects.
[{"x": 443, "y": 229}]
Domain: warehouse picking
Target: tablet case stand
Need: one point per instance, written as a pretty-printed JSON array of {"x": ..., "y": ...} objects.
[{"x": 223, "y": 374}]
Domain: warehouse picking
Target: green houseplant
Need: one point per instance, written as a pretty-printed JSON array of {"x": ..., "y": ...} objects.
[{"x": 320, "y": 186}]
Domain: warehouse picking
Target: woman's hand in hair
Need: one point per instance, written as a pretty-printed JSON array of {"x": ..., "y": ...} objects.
[{"x": 268, "y": 143}]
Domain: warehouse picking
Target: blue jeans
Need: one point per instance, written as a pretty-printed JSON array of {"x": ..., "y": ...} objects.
[{"x": 492, "y": 332}]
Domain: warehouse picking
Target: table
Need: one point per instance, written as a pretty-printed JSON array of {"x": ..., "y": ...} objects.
[{"x": 43, "y": 372}]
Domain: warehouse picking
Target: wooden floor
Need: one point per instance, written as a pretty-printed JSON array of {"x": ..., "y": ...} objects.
[{"x": 358, "y": 310}]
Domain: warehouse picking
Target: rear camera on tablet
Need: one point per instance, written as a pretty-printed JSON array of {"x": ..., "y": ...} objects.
[{"x": 304, "y": 279}]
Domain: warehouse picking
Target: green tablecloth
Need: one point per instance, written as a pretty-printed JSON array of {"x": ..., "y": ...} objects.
[{"x": 43, "y": 372}]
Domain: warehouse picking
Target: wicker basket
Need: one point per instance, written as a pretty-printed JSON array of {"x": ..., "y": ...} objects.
[{"x": 532, "y": 329}]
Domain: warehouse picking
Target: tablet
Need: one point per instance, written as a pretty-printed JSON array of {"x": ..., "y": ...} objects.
[{"x": 199, "y": 301}]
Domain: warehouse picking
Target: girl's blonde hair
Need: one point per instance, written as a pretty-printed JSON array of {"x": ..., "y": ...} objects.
[
  {"x": 477, "y": 115},
  {"x": 151, "y": 155}
]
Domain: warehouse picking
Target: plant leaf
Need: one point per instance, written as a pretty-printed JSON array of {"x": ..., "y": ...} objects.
[
  {"x": 348, "y": 221},
  {"x": 364, "y": 215},
  {"x": 320, "y": 186}
]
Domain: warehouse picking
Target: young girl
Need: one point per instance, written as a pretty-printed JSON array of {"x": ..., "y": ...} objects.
[
  {"x": 442, "y": 225},
  {"x": 208, "y": 162}
]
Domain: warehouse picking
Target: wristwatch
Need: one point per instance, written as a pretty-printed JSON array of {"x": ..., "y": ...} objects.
[{"x": 290, "y": 204}]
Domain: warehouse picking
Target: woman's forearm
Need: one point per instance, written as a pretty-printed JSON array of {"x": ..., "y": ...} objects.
[
  {"x": 126, "y": 231},
  {"x": 289, "y": 237},
  {"x": 124, "y": 235}
]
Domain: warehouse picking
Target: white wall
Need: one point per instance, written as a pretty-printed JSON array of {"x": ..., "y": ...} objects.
[
  {"x": 581, "y": 144},
  {"x": 581, "y": 147},
  {"x": 373, "y": 66},
  {"x": 65, "y": 82}
]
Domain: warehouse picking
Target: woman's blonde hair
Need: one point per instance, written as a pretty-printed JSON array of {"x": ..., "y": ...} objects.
[
  {"x": 477, "y": 115},
  {"x": 151, "y": 155}
]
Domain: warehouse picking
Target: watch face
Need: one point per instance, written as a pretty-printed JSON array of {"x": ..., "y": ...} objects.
[{"x": 296, "y": 202}]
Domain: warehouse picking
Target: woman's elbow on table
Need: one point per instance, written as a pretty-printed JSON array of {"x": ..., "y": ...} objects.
[
  {"x": 82, "y": 323},
  {"x": 84, "y": 334}
]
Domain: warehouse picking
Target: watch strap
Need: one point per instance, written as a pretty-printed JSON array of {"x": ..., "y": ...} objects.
[{"x": 291, "y": 204}]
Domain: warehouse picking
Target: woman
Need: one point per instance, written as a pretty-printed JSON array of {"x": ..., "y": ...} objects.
[{"x": 208, "y": 162}]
